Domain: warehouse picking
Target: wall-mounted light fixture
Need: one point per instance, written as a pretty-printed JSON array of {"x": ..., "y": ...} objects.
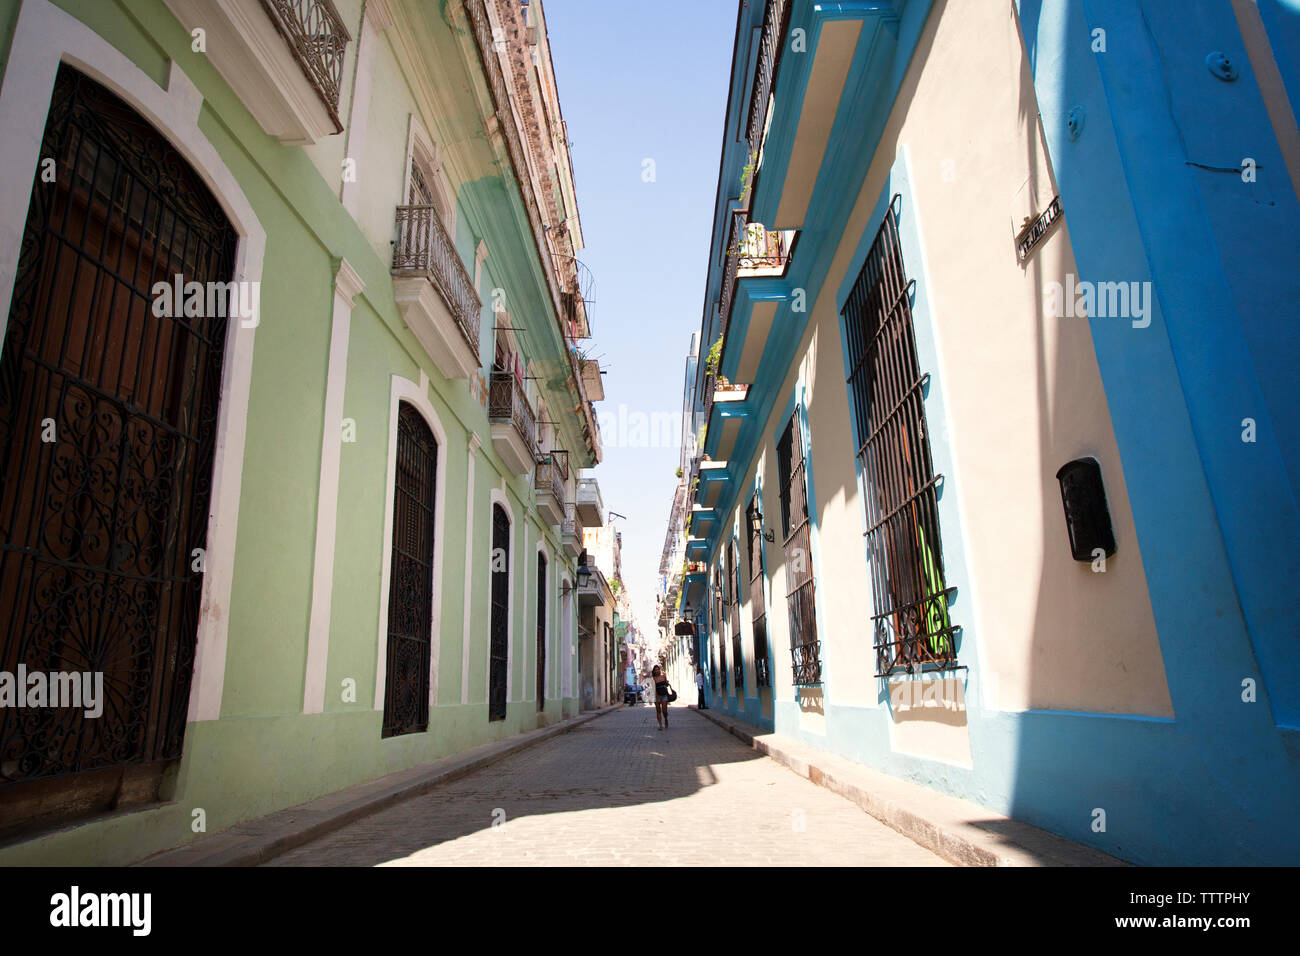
[
  {"x": 1087, "y": 518},
  {"x": 756, "y": 526}
]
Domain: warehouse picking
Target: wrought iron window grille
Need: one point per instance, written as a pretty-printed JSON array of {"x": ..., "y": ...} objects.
[
  {"x": 757, "y": 598},
  {"x": 912, "y": 629},
  {"x": 410, "y": 625},
  {"x": 801, "y": 599}
]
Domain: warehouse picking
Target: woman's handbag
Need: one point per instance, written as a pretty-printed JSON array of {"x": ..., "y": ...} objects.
[{"x": 672, "y": 694}]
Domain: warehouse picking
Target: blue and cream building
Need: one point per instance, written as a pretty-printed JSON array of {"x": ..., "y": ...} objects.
[{"x": 997, "y": 491}]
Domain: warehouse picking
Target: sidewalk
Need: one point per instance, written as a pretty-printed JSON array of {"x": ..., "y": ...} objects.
[
  {"x": 957, "y": 830},
  {"x": 256, "y": 841}
]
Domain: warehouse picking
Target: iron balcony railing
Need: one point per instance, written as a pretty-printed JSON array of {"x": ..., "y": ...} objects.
[
  {"x": 549, "y": 479},
  {"x": 572, "y": 523},
  {"x": 507, "y": 403},
  {"x": 776, "y": 18},
  {"x": 560, "y": 458},
  {"x": 316, "y": 35},
  {"x": 763, "y": 248},
  {"x": 735, "y": 241},
  {"x": 424, "y": 248}
]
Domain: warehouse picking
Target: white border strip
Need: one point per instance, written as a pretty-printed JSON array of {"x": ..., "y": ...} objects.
[{"x": 347, "y": 286}]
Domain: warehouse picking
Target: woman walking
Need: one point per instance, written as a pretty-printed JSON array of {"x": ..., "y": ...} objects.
[{"x": 662, "y": 693}]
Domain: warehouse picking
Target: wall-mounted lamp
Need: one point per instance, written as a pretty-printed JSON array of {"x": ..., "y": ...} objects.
[
  {"x": 584, "y": 576},
  {"x": 756, "y": 526},
  {"x": 1087, "y": 518}
]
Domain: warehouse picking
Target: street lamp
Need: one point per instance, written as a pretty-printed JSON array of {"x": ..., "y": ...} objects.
[{"x": 756, "y": 526}]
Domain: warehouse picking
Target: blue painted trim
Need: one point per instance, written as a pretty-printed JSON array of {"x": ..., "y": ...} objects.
[{"x": 879, "y": 64}]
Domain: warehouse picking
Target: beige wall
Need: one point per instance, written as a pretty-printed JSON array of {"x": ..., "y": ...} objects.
[{"x": 1021, "y": 396}]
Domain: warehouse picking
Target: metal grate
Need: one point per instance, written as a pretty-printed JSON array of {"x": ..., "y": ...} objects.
[
  {"x": 718, "y": 612},
  {"x": 541, "y": 631},
  {"x": 410, "y": 592},
  {"x": 757, "y": 599},
  {"x": 108, "y": 418},
  {"x": 733, "y": 593},
  {"x": 912, "y": 629},
  {"x": 805, "y": 648},
  {"x": 713, "y": 667},
  {"x": 500, "y": 613}
]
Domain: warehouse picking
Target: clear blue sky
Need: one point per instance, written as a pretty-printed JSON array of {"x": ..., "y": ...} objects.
[{"x": 643, "y": 81}]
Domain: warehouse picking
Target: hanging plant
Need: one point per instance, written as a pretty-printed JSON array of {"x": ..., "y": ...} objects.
[
  {"x": 747, "y": 177},
  {"x": 715, "y": 353}
]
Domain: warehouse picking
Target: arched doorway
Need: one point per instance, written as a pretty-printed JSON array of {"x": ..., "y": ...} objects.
[
  {"x": 499, "y": 659},
  {"x": 108, "y": 410},
  {"x": 541, "y": 631},
  {"x": 410, "y": 595}
]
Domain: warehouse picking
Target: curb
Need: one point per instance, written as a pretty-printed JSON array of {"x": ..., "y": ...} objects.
[
  {"x": 961, "y": 832},
  {"x": 255, "y": 841}
]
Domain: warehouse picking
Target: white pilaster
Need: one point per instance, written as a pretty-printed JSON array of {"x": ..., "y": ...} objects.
[{"x": 347, "y": 286}]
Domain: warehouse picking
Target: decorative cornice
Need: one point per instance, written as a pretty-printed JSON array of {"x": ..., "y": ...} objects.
[
  {"x": 347, "y": 284},
  {"x": 378, "y": 15}
]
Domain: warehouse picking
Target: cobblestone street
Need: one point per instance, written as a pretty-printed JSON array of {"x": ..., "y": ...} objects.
[{"x": 618, "y": 791}]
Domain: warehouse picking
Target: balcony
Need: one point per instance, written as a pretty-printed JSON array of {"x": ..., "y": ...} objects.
[
  {"x": 434, "y": 292},
  {"x": 514, "y": 425},
  {"x": 550, "y": 479},
  {"x": 591, "y": 509},
  {"x": 762, "y": 251},
  {"x": 776, "y": 20},
  {"x": 591, "y": 380},
  {"x": 571, "y": 530},
  {"x": 724, "y": 391},
  {"x": 596, "y": 591},
  {"x": 283, "y": 59}
]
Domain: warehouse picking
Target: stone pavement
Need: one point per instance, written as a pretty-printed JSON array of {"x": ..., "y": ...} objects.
[{"x": 616, "y": 791}]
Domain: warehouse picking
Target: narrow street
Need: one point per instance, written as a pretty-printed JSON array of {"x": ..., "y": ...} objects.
[{"x": 618, "y": 791}]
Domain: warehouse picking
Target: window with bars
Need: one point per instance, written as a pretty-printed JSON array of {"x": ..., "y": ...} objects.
[
  {"x": 499, "y": 659},
  {"x": 719, "y": 609},
  {"x": 757, "y": 599},
  {"x": 805, "y": 648},
  {"x": 733, "y": 618},
  {"x": 912, "y": 628},
  {"x": 713, "y": 668},
  {"x": 410, "y": 625},
  {"x": 541, "y": 631}
]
